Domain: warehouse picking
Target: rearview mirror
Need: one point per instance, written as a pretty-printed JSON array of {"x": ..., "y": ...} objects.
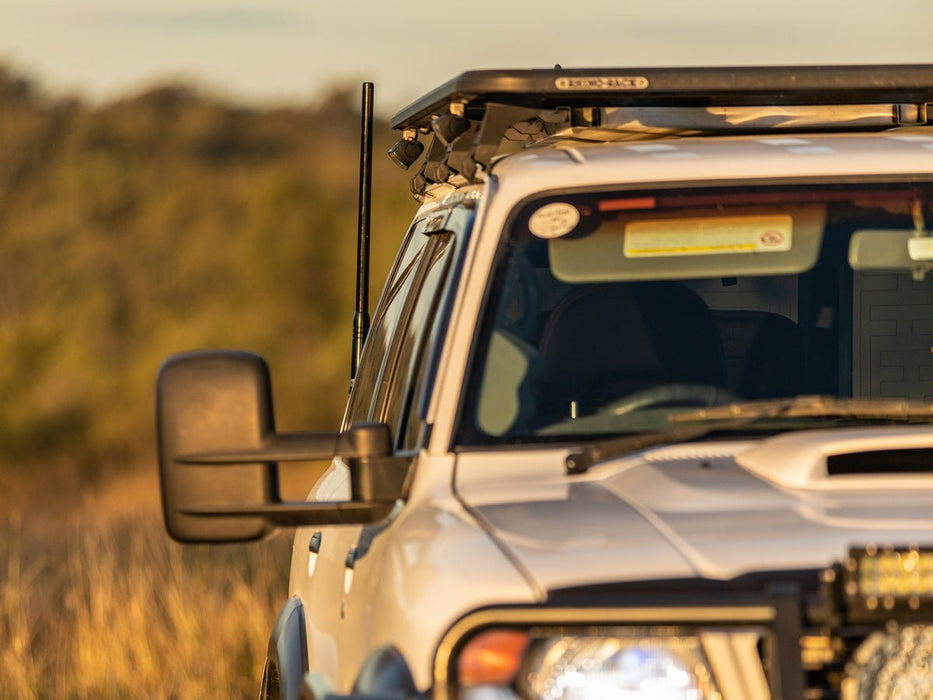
[
  {"x": 219, "y": 454},
  {"x": 899, "y": 250}
]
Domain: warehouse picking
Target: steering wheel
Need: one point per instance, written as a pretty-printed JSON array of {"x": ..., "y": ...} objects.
[{"x": 690, "y": 394}]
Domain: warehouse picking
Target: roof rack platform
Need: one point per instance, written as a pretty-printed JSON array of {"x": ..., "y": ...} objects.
[{"x": 470, "y": 113}]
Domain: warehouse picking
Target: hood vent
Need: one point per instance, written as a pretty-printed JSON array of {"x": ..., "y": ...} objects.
[
  {"x": 914, "y": 461},
  {"x": 845, "y": 459}
]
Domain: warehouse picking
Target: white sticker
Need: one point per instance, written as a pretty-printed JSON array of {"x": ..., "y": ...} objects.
[
  {"x": 708, "y": 236},
  {"x": 554, "y": 220}
]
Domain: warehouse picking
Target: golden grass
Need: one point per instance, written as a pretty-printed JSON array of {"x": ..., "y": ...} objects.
[{"x": 97, "y": 602}]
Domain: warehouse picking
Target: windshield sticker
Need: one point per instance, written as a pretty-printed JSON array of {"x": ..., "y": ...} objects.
[
  {"x": 708, "y": 236},
  {"x": 554, "y": 220}
]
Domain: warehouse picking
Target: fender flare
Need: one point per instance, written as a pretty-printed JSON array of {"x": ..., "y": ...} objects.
[{"x": 287, "y": 654}]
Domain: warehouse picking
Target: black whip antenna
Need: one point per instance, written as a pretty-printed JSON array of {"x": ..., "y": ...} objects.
[{"x": 361, "y": 315}]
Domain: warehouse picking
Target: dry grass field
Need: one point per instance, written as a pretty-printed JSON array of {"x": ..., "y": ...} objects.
[
  {"x": 164, "y": 221},
  {"x": 97, "y": 602}
]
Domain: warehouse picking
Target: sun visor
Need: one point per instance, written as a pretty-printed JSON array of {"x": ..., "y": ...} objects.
[{"x": 691, "y": 245}]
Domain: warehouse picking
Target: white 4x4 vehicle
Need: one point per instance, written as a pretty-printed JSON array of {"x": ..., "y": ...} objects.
[{"x": 644, "y": 411}]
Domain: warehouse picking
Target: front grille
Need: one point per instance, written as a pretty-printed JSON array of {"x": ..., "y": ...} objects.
[
  {"x": 834, "y": 672},
  {"x": 824, "y": 658}
]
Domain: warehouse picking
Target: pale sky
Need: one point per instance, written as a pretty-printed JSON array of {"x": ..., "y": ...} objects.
[{"x": 275, "y": 51}]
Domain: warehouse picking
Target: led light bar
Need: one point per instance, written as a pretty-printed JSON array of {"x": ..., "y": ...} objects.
[{"x": 887, "y": 580}]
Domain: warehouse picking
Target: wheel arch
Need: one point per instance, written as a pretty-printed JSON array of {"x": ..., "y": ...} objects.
[{"x": 287, "y": 654}]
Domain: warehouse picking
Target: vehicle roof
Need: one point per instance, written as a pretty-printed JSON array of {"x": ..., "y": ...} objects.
[{"x": 569, "y": 163}]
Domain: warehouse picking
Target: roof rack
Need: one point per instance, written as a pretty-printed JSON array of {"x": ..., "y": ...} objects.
[{"x": 470, "y": 114}]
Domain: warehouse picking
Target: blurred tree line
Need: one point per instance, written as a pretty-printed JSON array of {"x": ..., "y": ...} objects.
[{"x": 167, "y": 221}]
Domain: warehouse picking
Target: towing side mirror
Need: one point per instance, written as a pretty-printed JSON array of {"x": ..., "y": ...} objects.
[{"x": 219, "y": 454}]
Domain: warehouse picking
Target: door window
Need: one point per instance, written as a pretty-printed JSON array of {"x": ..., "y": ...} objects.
[
  {"x": 401, "y": 350},
  {"x": 362, "y": 404}
]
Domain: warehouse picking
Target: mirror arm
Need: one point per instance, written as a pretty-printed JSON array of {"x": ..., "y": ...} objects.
[
  {"x": 377, "y": 479},
  {"x": 287, "y": 447},
  {"x": 298, "y": 513},
  {"x": 362, "y": 440}
]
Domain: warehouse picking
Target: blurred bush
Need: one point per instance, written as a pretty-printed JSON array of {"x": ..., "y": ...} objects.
[{"x": 169, "y": 221}]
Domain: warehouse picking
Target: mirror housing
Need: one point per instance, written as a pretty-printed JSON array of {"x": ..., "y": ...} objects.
[{"x": 219, "y": 454}]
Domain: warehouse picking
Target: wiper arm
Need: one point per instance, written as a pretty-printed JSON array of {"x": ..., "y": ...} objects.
[
  {"x": 579, "y": 462},
  {"x": 736, "y": 415}
]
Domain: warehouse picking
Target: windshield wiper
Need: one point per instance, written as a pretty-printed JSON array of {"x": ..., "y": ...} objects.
[
  {"x": 604, "y": 450},
  {"x": 808, "y": 407},
  {"x": 737, "y": 415}
]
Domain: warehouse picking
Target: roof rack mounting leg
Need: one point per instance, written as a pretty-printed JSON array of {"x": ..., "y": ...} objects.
[
  {"x": 448, "y": 127},
  {"x": 419, "y": 183},
  {"x": 496, "y": 121},
  {"x": 912, "y": 114},
  {"x": 585, "y": 116},
  {"x": 435, "y": 166},
  {"x": 460, "y": 148}
]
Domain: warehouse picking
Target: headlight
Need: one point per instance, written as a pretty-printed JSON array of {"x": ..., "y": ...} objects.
[
  {"x": 634, "y": 663},
  {"x": 636, "y": 666}
]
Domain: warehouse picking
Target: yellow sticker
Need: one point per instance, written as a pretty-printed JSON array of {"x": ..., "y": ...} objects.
[{"x": 710, "y": 235}]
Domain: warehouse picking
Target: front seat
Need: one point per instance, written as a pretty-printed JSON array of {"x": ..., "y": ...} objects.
[{"x": 605, "y": 341}]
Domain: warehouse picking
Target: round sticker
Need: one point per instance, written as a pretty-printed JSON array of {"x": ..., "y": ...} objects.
[
  {"x": 772, "y": 238},
  {"x": 554, "y": 220}
]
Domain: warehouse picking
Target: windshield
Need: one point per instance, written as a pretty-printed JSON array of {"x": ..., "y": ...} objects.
[{"x": 624, "y": 312}]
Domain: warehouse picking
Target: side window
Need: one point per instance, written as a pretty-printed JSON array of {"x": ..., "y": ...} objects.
[
  {"x": 373, "y": 364},
  {"x": 407, "y": 383},
  {"x": 395, "y": 371}
]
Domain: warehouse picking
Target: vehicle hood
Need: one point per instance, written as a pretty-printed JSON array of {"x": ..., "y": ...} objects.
[{"x": 714, "y": 510}]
